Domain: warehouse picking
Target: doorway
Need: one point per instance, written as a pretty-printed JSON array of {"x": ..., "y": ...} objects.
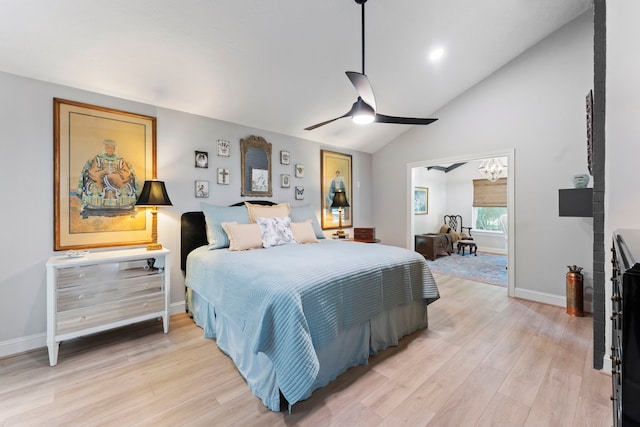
[{"x": 436, "y": 197}]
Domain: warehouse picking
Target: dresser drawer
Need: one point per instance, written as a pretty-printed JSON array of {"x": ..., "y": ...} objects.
[
  {"x": 87, "y": 317},
  {"x": 87, "y": 295},
  {"x": 109, "y": 271}
]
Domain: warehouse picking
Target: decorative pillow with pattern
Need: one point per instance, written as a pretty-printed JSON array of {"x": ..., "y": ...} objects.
[{"x": 275, "y": 231}]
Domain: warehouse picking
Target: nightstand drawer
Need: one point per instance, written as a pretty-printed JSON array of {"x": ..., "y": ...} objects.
[
  {"x": 87, "y": 317},
  {"x": 96, "y": 273},
  {"x": 89, "y": 295}
]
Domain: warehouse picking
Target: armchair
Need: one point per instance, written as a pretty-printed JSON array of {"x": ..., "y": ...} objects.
[{"x": 453, "y": 225}]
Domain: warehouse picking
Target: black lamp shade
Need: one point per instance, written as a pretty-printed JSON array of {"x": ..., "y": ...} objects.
[
  {"x": 340, "y": 200},
  {"x": 153, "y": 193}
]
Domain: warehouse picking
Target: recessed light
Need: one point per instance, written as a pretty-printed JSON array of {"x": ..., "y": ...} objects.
[{"x": 436, "y": 54}]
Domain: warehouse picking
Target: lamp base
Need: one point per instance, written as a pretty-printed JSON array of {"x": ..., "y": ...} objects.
[
  {"x": 340, "y": 234},
  {"x": 154, "y": 246}
]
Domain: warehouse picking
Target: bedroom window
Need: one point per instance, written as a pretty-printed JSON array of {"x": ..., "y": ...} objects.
[
  {"x": 489, "y": 203},
  {"x": 488, "y": 218}
]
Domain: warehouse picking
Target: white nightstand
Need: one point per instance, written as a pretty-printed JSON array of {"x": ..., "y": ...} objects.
[{"x": 104, "y": 290}]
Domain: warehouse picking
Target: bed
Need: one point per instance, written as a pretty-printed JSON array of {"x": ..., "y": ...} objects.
[{"x": 294, "y": 316}]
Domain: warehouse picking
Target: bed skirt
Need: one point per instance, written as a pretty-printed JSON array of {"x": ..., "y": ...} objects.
[{"x": 351, "y": 348}]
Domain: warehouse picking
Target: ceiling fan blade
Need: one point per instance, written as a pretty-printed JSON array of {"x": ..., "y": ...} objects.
[
  {"x": 381, "y": 118},
  {"x": 363, "y": 87},
  {"x": 325, "y": 122}
]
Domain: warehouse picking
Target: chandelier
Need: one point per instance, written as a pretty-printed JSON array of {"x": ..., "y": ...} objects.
[{"x": 491, "y": 169}]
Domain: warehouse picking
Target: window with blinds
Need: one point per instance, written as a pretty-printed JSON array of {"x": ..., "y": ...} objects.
[{"x": 487, "y": 194}]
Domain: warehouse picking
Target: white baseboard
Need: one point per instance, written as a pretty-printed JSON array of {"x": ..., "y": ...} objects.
[
  {"x": 22, "y": 344},
  {"x": 496, "y": 251},
  {"x": 35, "y": 342},
  {"x": 542, "y": 297}
]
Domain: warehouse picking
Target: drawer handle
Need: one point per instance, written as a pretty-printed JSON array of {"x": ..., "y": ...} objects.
[
  {"x": 83, "y": 318},
  {"x": 146, "y": 304},
  {"x": 81, "y": 296}
]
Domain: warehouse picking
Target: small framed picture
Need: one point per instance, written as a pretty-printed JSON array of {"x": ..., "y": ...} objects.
[
  {"x": 299, "y": 193},
  {"x": 224, "y": 148},
  {"x": 299, "y": 171},
  {"x": 420, "y": 201},
  {"x": 284, "y": 157},
  {"x": 223, "y": 176},
  {"x": 285, "y": 180},
  {"x": 202, "y": 159},
  {"x": 202, "y": 189}
]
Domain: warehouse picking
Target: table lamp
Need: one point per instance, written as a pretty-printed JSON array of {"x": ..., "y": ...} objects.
[
  {"x": 153, "y": 194},
  {"x": 340, "y": 201}
]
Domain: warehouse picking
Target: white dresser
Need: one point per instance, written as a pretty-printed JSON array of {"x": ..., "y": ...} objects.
[{"x": 104, "y": 290}]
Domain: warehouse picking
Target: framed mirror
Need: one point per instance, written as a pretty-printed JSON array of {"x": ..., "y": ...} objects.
[{"x": 255, "y": 161}]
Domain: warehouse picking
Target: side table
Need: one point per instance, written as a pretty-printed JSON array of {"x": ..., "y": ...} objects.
[{"x": 433, "y": 244}]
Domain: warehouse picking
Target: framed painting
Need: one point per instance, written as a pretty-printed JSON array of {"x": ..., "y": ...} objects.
[
  {"x": 420, "y": 201},
  {"x": 223, "y": 176},
  {"x": 335, "y": 174},
  {"x": 202, "y": 159},
  {"x": 284, "y": 157},
  {"x": 223, "y": 148},
  {"x": 285, "y": 180},
  {"x": 102, "y": 157},
  {"x": 202, "y": 189}
]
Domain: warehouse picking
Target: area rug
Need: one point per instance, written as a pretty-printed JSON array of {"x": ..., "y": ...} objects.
[{"x": 485, "y": 268}]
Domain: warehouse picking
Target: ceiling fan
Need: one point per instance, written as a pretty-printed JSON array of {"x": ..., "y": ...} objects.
[{"x": 364, "y": 111}]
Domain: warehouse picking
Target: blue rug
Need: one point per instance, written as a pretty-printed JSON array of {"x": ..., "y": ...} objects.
[{"x": 485, "y": 268}]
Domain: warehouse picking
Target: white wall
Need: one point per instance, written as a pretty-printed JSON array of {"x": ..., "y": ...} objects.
[
  {"x": 435, "y": 181},
  {"x": 26, "y": 183},
  {"x": 534, "y": 105}
]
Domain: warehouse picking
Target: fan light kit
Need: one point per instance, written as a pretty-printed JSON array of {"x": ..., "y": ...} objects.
[{"x": 364, "y": 110}]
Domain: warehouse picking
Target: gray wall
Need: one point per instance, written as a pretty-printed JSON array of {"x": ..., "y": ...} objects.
[
  {"x": 534, "y": 105},
  {"x": 26, "y": 182}
]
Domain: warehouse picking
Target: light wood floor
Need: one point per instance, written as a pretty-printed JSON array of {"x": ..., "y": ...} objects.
[{"x": 485, "y": 360}]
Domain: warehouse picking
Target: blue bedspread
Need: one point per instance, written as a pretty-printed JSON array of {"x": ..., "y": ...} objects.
[{"x": 289, "y": 299}]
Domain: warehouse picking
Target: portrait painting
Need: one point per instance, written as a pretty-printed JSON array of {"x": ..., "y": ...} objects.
[
  {"x": 102, "y": 157},
  {"x": 336, "y": 175},
  {"x": 202, "y": 159}
]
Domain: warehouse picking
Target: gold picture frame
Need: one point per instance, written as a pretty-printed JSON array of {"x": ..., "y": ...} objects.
[
  {"x": 102, "y": 157},
  {"x": 336, "y": 173}
]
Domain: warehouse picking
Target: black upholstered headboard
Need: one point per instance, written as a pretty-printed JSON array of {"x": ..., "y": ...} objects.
[{"x": 193, "y": 230}]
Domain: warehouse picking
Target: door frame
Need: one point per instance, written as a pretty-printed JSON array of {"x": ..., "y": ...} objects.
[{"x": 511, "y": 210}]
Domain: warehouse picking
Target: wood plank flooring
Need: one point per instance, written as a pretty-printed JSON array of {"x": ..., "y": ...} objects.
[{"x": 485, "y": 360}]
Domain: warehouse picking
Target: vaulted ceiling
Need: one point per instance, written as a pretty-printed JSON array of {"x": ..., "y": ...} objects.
[{"x": 275, "y": 65}]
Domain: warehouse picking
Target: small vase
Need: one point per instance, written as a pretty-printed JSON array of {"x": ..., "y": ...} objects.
[{"x": 580, "y": 181}]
